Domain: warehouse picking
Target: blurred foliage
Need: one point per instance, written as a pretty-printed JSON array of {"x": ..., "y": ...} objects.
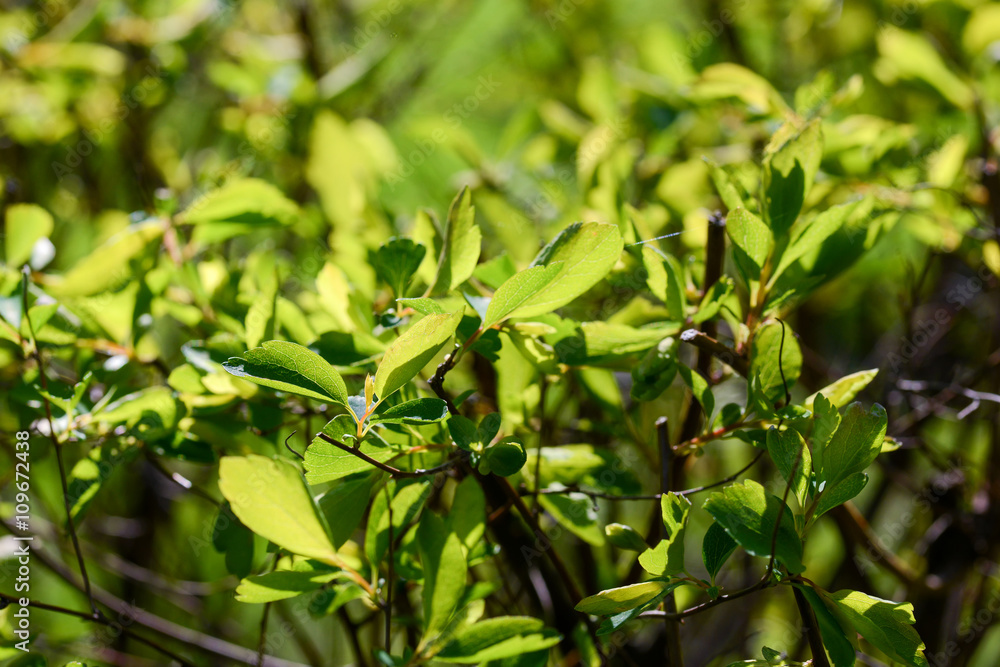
[{"x": 188, "y": 180}]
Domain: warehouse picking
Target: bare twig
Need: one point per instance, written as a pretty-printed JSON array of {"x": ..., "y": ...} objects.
[
  {"x": 723, "y": 353},
  {"x": 101, "y": 620},
  {"x": 673, "y": 629},
  {"x": 70, "y": 523}
]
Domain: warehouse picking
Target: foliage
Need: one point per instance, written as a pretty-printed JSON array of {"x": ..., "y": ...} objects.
[{"x": 474, "y": 334}]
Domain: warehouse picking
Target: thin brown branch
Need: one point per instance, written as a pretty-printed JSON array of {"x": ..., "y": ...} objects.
[
  {"x": 723, "y": 353},
  {"x": 70, "y": 523},
  {"x": 675, "y": 657},
  {"x": 395, "y": 472}
]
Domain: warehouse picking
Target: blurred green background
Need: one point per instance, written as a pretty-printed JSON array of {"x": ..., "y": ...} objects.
[{"x": 364, "y": 113}]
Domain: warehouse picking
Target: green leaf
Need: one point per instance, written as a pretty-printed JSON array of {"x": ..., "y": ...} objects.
[
  {"x": 812, "y": 235},
  {"x": 325, "y": 462},
  {"x": 840, "y": 493},
  {"x": 260, "y": 317},
  {"x": 625, "y": 537},
  {"x": 618, "y": 600},
  {"x": 290, "y": 368},
  {"x": 344, "y": 506},
  {"x": 790, "y": 164},
  {"x": 784, "y": 448},
  {"x": 764, "y": 359},
  {"x": 751, "y": 237},
  {"x": 462, "y": 245},
  {"x": 843, "y": 391},
  {"x": 409, "y": 353},
  {"x": 716, "y": 548},
  {"x": 886, "y": 625},
  {"x": 503, "y": 458},
  {"x": 463, "y": 431},
  {"x": 749, "y": 514},
  {"x": 467, "y": 518},
  {"x": 417, "y": 412},
  {"x": 699, "y": 387},
  {"x": 270, "y": 498},
  {"x": 444, "y": 573},
  {"x": 25, "y": 224},
  {"x": 231, "y": 537},
  {"x": 837, "y": 644},
  {"x": 238, "y": 207},
  {"x": 826, "y": 420},
  {"x": 854, "y": 446},
  {"x": 422, "y": 305},
  {"x": 576, "y": 513},
  {"x": 585, "y": 253},
  {"x": 729, "y": 191},
  {"x": 667, "y": 557},
  {"x": 281, "y": 585},
  {"x": 396, "y": 261},
  {"x": 517, "y": 290},
  {"x": 498, "y": 638},
  {"x": 108, "y": 265},
  {"x": 406, "y": 504}
]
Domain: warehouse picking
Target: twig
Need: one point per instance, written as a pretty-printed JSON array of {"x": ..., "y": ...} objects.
[
  {"x": 289, "y": 447},
  {"x": 71, "y": 524},
  {"x": 207, "y": 643},
  {"x": 101, "y": 620},
  {"x": 436, "y": 383},
  {"x": 725, "y": 354},
  {"x": 389, "y": 579},
  {"x": 395, "y": 472},
  {"x": 819, "y": 658},
  {"x": 673, "y": 629}
]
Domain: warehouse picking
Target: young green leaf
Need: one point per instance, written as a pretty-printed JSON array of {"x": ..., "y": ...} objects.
[
  {"x": 716, "y": 548},
  {"x": 396, "y": 261},
  {"x": 810, "y": 236},
  {"x": 789, "y": 452},
  {"x": 751, "y": 237},
  {"x": 419, "y": 411},
  {"x": 270, "y": 498},
  {"x": 503, "y": 458},
  {"x": 281, "y": 585},
  {"x": 585, "y": 253},
  {"x": 625, "y": 537},
  {"x": 855, "y": 444},
  {"x": 790, "y": 164},
  {"x": 667, "y": 557},
  {"x": 618, "y": 600},
  {"x": 749, "y": 514},
  {"x": 422, "y": 305},
  {"x": 462, "y": 244},
  {"x": 887, "y": 625},
  {"x": 409, "y": 353},
  {"x": 290, "y": 368},
  {"x": 843, "y": 391},
  {"x": 444, "y": 573},
  {"x": 518, "y": 290}
]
